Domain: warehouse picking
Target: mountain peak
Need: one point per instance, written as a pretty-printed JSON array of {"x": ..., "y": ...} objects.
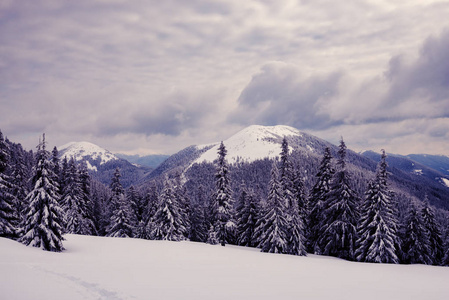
[
  {"x": 251, "y": 143},
  {"x": 88, "y": 152}
]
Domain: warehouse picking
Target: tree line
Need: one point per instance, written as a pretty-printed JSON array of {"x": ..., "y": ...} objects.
[{"x": 42, "y": 197}]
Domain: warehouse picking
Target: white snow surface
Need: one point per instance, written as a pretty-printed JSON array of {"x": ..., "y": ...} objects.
[
  {"x": 445, "y": 181},
  {"x": 124, "y": 268},
  {"x": 81, "y": 150},
  {"x": 250, "y": 144},
  {"x": 417, "y": 171}
]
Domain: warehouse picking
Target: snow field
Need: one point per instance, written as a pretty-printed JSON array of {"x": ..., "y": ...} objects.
[{"x": 118, "y": 268}]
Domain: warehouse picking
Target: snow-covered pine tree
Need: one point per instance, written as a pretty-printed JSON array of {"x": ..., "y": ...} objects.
[
  {"x": 247, "y": 219},
  {"x": 286, "y": 174},
  {"x": 377, "y": 227},
  {"x": 19, "y": 177},
  {"x": 416, "y": 245},
  {"x": 87, "y": 202},
  {"x": 198, "y": 229},
  {"x": 434, "y": 231},
  {"x": 300, "y": 197},
  {"x": 317, "y": 199},
  {"x": 73, "y": 200},
  {"x": 167, "y": 222},
  {"x": 56, "y": 164},
  {"x": 135, "y": 203},
  {"x": 63, "y": 171},
  {"x": 272, "y": 226},
  {"x": 120, "y": 223},
  {"x": 183, "y": 201},
  {"x": 340, "y": 214},
  {"x": 295, "y": 225},
  {"x": 44, "y": 217},
  {"x": 7, "y": 200},
  {"x": 212, "y": 236},
  {"x": 222, "y": 202}
]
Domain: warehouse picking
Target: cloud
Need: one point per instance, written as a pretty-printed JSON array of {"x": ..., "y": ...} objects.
[
  {"x": 188, "y": 72},
  {"x": 280, "y": 94},
  {"x": 409, "y": 99}
]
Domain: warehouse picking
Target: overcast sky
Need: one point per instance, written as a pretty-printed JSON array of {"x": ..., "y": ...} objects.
[{"x": 157, "y": 76}]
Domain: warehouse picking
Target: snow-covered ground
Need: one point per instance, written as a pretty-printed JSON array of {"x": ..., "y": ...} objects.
[
  {"x": 115, "y": 268},
  {"x": 445, "y": 181},
  {"x": 251, "y": 144}
]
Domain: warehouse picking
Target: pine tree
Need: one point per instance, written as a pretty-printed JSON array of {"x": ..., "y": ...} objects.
[
  {"x": 340, "y": 214},
  {"x": 247, "y": 219},
  {"x": 434, "y": 233},
  {"x": 167, "y": 222},
  {"x": 212, "y": 236},
  {"x": 416, "y": 245},
  {"x": 135, "y": 203},
  {"x": 87, "y": 202},
  {"x": 120, "y": 224},
  {"x": 317, "y": 199},
  {"x": 73, "y": 201},
  {"x": 295, "y": 227},
  {"x": 377, "y": 227},
  {"x": 222, "y": 202},
  {"x": 19, "y": 177},
  {"x": 183, "y": 201},
  {"x": 272, "y": 227},
  {"x": 7, "y": 216},
  {"x": 198, "y": 230},
  {"x": 44, "y": 218}
]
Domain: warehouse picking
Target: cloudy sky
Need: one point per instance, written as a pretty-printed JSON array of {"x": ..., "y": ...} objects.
[{"x": 157, "y": 76}]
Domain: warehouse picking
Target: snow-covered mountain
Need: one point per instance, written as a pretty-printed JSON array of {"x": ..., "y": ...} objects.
[
  {"x": 252, "y": 143},
  {"x": 93, "y": 155},
  {"x": 248, "y": 145},
  {"x": 102, "y": 162}
]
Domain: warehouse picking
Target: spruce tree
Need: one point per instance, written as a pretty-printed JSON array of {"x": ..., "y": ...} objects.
[
  {"x": 198, "y": 229},
  {"x": 295, "y": 227},
  {"x": 167, "y": 222},
  {"x": 416, "y": 245},
  {"x": 86, "y": 196},
  {"x": 222, "y": 202},
  {"x": 317, "y": 199},
  {"x": 7, "y": 216},
  {"x": 247, "y": 220},
  {"x": 340, "y": 214},
  {"x": 272, "y": 227},
  {"x": 74, "y": 203},
  {"x": 434, "y": 232},
  {"x": 377, "y": 227},
  {"x": 19, "y": 177},
  {"x": 44, "y": 217},
  {"x": 120, "y": 223}
]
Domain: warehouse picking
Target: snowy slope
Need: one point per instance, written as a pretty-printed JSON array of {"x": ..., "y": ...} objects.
[
  {"x": 88, "y": 152},
  {"x": 252, "y": 143},
  {"x": 115, "y": 268}
]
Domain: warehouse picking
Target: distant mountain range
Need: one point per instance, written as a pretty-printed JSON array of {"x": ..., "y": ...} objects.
[{"x": 415, "y": 174}]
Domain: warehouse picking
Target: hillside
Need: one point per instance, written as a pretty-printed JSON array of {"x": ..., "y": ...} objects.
[
  {"x": 115, "y": 268},
  {"x": 102, "y": 163},
  {"x": 249, "y": 149}
]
